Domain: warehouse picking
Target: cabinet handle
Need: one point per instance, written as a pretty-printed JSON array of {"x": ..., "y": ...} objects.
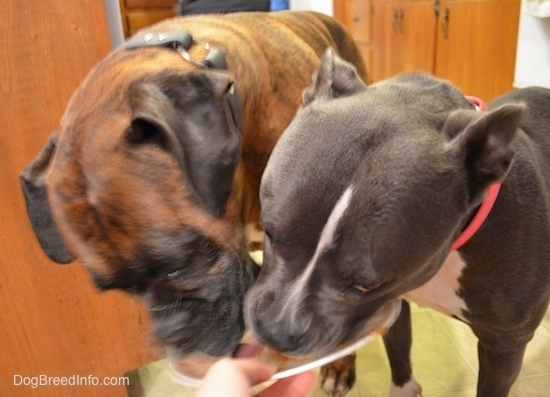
[
  {"x": 398, "y": 15},
  {"x": 445, "y": 22},
  {"x": 436, "y": 8},
  {"x": 356, "y": 18}
]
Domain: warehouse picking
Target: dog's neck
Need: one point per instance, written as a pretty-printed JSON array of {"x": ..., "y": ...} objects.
[
  {"x": 486, "y": 206},
  {"x": 479, "y": 218}
]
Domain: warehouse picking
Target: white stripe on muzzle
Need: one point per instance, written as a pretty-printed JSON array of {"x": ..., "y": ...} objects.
[{"x": 326, "y": 241}]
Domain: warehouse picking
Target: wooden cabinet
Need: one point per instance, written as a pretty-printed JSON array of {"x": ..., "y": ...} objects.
[
  {"x": 355, "y": 15},
  {"x": 476, "y": 45},
  {"x": 470, "y": 42},
  {"x": 137, "y": 14},
  {"x": 403, "y": 35}
]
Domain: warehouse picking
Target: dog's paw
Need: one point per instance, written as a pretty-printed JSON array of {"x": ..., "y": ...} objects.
[
  {"x": 338, "y": 377},
  {"x": 409, "y": 389}
]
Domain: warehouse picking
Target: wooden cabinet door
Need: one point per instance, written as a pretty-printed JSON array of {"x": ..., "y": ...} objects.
[
  {"x": 355, "y": 15},
  {"x": 403, "y": 37},
  {"x": 137, "y": 14},
  {"x": 54, "y": 322},
  {"x": 476, "y": 45}
]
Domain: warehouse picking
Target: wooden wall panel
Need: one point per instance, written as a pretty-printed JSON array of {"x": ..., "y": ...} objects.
[{"x": 53, "y": 320}]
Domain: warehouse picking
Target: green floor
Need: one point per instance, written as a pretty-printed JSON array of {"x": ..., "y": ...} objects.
[{"x": 444, "y": 357}]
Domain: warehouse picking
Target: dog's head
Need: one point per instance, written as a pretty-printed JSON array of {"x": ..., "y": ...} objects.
[
  {"x": 138, "y": 185},
  {"x": 362, "y": 198}
]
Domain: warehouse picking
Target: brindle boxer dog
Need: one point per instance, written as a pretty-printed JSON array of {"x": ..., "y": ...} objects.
[{"x": 149, "y": 181}]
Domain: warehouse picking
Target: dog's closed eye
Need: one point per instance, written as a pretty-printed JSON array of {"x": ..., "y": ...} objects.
[
  {"x": 361, "y": 288},
  {"x": 367, "y": 288}
]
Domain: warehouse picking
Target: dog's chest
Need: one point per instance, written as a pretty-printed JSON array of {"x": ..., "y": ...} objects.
[{"x": 441, "y": 291}]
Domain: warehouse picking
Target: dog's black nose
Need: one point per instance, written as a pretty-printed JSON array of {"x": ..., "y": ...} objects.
[
  {"x": 281, "y": 339},
  {"x": 289, "y": 334}
]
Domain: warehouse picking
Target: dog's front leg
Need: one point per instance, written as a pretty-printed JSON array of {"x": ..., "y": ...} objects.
[
  {"x": 499, "y": 366},
  {"x": 398, "y": 343},
  {"x": 338, "y": 377}
]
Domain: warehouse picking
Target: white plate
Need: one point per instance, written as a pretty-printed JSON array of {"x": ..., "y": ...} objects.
[
  {"x": 182, "y": 379},
  {"x": 289, "y": 366}
]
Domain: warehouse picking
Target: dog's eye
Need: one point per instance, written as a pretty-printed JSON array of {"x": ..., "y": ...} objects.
[
  {"x": 174, "y": 274},
  {"x": 363, "y": 289},
  {"x": 230, "y": 89}
]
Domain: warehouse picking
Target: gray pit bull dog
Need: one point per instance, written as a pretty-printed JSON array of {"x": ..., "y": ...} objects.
[{"x": 363, "y": 198}]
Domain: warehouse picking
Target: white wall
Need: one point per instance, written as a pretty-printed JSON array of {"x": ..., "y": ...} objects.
[
  {"x": 533, "y": 53},
  {"x": 114, "y": 21},
  {"x": 324, "y": 6}
]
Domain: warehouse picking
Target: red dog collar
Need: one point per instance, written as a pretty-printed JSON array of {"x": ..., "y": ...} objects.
[
  {"x": 478, "y": 103},
  {"x": 485, "y": 207}
]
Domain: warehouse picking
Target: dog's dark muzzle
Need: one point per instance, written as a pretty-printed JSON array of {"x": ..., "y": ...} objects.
[{"x": 203, "y": 312}]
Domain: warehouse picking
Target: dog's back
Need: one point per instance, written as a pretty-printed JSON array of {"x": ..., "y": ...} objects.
[{"x": 537, "y": 121}]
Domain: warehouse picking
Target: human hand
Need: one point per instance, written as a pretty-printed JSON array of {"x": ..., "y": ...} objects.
[{"x": 232, "y": 377}]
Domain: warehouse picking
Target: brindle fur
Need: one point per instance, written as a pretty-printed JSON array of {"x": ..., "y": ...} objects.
[{"x": 125, "y": 197}]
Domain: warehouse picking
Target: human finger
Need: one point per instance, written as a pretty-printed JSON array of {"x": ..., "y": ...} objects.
[{"x": 233, "y": 377}]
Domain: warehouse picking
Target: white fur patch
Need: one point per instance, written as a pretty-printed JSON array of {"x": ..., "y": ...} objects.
[
  {"x": 409, "y": 389},
  {"x": 325, "y": 242},
  {"x": 440, "y": 292}
]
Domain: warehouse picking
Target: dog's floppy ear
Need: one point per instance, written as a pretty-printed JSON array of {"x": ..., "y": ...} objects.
[
  {"x": 188, "y": 114},
  {"x": 483, "y": 142},
  {"x": 334, "y": 78},
  {"x": 38, "y": 207}
]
